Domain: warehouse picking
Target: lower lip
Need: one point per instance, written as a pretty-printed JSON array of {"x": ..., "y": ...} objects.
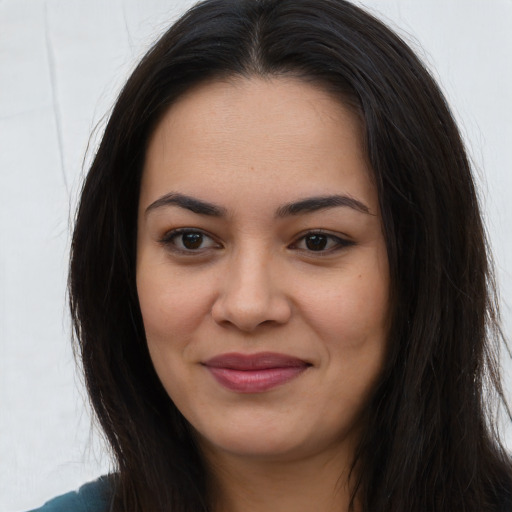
[{"x": 255, "y": 381}]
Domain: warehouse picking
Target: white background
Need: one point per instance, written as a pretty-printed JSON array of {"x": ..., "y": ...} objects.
[{"x": 62, "y": 63}]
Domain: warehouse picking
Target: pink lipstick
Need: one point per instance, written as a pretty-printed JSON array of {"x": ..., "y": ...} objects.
[{"x": 254, "y": 373}]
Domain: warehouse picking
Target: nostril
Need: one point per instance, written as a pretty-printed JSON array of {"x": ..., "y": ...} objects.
[{"x": 249, "y": 313}]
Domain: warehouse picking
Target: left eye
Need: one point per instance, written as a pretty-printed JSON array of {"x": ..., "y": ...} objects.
[{"x": 320, "y": 242}]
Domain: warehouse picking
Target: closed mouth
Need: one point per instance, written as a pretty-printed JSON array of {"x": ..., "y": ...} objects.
[{"x": 255, "y": 373}]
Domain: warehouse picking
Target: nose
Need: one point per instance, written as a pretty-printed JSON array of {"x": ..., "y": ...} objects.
[{"x": 251, "y": 294}]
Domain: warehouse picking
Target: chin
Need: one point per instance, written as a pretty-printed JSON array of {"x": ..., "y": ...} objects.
[{"x": 267, "y": 442}]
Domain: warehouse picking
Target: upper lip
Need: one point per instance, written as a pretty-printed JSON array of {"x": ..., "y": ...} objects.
[{"x": 260, "y": 361}]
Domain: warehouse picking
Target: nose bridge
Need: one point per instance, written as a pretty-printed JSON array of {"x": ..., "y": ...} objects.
[
  {"x": 250, "y": 293},
  {"x": 250, "y": 275}
]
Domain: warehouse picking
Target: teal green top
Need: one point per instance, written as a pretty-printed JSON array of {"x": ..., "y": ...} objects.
[
  {"x": 95, "y": 497},
  {"x": 91, "y": 497}
]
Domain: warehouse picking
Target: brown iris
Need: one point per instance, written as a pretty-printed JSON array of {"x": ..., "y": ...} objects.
[
  {"x": 316, "y": 242},
  {"x": 192, "y": 240}
]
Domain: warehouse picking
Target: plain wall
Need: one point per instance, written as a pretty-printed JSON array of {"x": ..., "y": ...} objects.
[{"x": 62, "y": 63}]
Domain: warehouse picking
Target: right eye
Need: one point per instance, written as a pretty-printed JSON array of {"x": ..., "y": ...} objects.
[{"x": 188, "y": 241}]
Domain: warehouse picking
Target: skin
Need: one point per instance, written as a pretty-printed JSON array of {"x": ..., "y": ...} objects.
[{"x": 253, "y": 284}]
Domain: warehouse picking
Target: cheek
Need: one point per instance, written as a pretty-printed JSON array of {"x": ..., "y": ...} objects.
[
  {"x": 350, "y": 316},
  {"x": 170, "y": 315},
  {"x": 172, "y": 306},
  {"x": 350, "y": 312}
]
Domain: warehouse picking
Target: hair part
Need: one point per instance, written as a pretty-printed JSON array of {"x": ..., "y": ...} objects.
[{"x": 428, "y": 443}]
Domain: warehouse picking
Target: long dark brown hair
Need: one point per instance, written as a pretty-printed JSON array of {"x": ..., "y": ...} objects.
[{"x": 429, "y": 442}]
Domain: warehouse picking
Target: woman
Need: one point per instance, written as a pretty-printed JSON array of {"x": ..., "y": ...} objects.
[{"x": 279, "y": 278}]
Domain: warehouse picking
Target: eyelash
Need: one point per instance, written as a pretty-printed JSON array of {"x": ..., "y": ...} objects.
[
  {"x": 169, "y": 241},
  {"x": 337, "y": 243}
]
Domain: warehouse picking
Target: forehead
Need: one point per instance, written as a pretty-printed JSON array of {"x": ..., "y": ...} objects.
[{"x": 250, "y": 132}]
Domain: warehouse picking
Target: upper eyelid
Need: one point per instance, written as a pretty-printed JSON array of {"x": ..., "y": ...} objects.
[
  {"x": 178, "y": 231},
  {"x": 339, "y": 236}
]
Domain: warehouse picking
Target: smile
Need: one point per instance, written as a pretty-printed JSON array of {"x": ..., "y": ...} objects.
[{"x": 254, "y": 373}]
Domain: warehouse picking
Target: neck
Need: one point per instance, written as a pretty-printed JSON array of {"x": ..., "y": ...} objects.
[{"x": 319, "y": 483}]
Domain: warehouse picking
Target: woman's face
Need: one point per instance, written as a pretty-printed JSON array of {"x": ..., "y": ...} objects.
[{"x": 261, "y": 267}]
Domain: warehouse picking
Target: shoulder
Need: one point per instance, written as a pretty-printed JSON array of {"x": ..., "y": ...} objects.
[{"x": 91, "y": 497}]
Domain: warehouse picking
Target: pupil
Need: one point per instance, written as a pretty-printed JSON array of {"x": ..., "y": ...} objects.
[
  {"x": 316, "y": 242},
  {"x": 192, "y": 240}
]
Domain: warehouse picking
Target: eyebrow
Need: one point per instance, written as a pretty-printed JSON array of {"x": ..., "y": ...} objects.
[
  {"x": 307, "y": 205},
  {"x": 188, "y": 203},
  {"x": 313, "y": 204}
]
